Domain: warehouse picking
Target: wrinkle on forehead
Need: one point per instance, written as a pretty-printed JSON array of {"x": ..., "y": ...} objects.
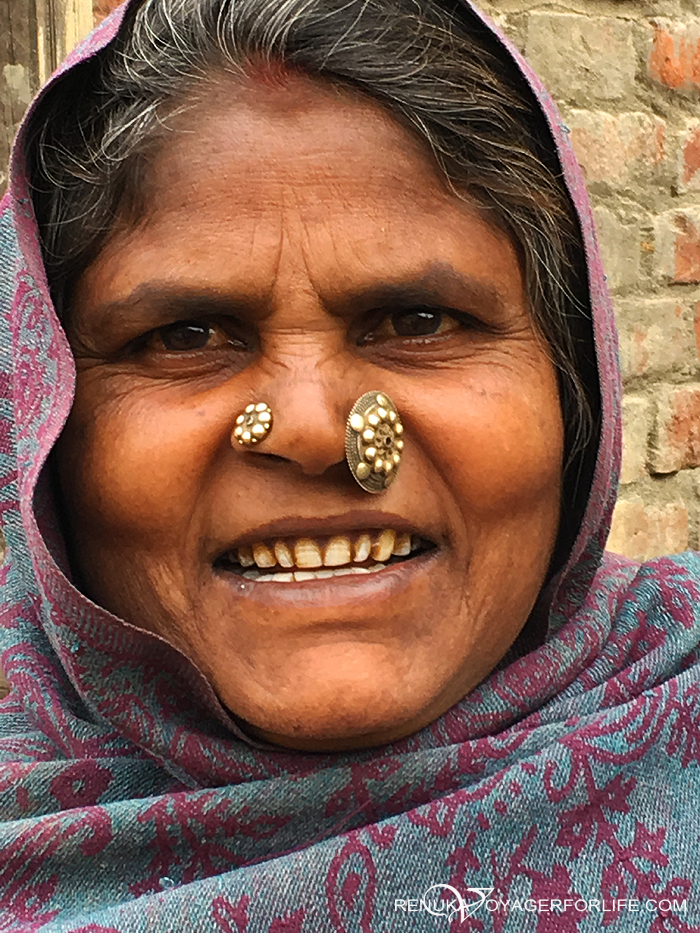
[
  {"x": 313, "y": 207},
  {"x": 304, "y": 119}
]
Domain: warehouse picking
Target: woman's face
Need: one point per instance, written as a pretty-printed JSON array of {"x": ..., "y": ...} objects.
[{"x": 300, "y": 248}]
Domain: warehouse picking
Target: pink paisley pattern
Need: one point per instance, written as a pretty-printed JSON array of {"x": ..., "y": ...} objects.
[{"x": 129, "y": 802}]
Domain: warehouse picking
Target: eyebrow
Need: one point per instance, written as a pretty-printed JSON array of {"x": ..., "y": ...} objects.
[
  {"x": 440, "y": 284},
  {"x": 152, "y": 301}
]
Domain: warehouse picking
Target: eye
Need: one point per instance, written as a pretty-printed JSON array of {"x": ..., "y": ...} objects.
[
  {"x": 185, "y": 336},
  {"x": 188, "y": 337},
  {"x": 190, "y": 347},
  {"x": 421, "y": 322},
  {"x": 415, "y": 322}
]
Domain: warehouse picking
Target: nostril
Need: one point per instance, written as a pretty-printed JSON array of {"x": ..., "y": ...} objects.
[
  {"x": 301, "y": 434},
  {"x": 267, "y": 457}
]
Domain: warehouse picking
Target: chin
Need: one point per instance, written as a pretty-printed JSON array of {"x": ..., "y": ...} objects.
[{"x": 343, "y": 715}]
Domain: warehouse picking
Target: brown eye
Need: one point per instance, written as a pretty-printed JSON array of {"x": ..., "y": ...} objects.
[
  {"x": 417, "y": 323},
  {"x": 185, "y": 336},
  {"x": 414, "y": 322}
]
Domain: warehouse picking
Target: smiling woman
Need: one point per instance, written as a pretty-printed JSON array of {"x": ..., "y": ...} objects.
[
  {"x": 317, "y": 272},
  {"x": 306, "y": 593}
]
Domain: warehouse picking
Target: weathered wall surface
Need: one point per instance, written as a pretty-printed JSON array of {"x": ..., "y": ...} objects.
[
  {"x": 18, "y": 71},
  {"x": 35, "y": 35},
  {"x": 627, "y": 77}
]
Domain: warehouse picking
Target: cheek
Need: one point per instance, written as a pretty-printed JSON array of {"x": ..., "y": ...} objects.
[
  {"x": 498, "y": 443},
  {"x": 132, "y": 465}
]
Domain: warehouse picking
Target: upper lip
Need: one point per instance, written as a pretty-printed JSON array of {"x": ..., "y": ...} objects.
[{"x": 314, "y": 527}]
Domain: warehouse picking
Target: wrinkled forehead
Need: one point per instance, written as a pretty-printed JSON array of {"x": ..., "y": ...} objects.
[
  {"x": 329, "y": 194},
  {"x": 272, "y": 127}
]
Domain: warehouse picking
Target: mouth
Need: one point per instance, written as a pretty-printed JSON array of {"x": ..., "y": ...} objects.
[{"x": 300, "y": 559}]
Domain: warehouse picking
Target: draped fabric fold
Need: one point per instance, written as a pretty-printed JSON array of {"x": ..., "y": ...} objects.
[{"x": 129, "y": 801}]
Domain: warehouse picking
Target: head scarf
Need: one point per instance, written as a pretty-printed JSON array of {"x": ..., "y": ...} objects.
[{"x": 561, "y": 794}]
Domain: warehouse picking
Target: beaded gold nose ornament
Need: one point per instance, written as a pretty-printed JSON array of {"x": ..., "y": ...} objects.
[
  {"x": 373, "y": 441},
  {"x": 253, "y": 424}
]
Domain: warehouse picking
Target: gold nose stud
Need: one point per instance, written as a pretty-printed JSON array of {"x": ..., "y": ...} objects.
[
  {"x": 253, "y": 424},
  {"x": 374, "y": 441}
]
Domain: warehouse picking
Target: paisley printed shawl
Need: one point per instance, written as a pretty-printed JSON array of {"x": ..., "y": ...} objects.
[{"x": 128, "y": 802}]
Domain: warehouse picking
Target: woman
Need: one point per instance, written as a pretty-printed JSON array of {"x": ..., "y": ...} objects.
[{"x": 308, "y": 623}]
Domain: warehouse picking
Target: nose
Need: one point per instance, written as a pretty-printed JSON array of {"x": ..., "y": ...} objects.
[{"x": 308, "y": 426}]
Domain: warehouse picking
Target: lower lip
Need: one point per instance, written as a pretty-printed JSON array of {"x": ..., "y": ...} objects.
[{"x": 343, "y": 588}]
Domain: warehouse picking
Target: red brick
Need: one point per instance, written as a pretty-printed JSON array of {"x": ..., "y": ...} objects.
[
  {"x": 582, "y": 57},
  {"x": 642, "y": 531},
  {"x": 675, "y": 55},
  {"x": 687, "y": 149},
  {"x": 656, "y": 337},
  {"x": 696, "y": 325},
  {"x": 691, "y": 157},
  {"x": 687, "y": 251},
  {"x": 677, "y": 433},
  {"x": 677, "y": 235},
  {"x": 620, "y": 247},
  {"x": 618, "y": 149},
  {"x": 635, "y": 438}
]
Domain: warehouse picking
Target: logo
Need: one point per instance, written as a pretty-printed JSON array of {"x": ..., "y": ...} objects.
[
  {"x": 455, "y": 903},
  {"x": 444, "y": 900}
]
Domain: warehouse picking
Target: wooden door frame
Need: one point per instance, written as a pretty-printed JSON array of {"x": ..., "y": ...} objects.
[
  {"x": 35, "y": 37},
  {"x": 60, "y": 25}
]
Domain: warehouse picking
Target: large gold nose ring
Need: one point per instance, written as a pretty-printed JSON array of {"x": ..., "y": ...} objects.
[
  {"x": 374, "y": 441},
  {"x": 253, "y": 424}
]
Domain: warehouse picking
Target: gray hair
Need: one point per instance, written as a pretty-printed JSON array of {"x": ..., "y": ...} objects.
[{"x": 430, "y": 63}]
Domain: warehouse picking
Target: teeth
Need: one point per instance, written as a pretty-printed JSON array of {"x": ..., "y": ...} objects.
[
  {"x": 337, "y": 552},
  {"x": 301, "y": 576},
  {"x": 363, "y": 547},
  {"x": 307, "y": 553},
  {"x": 263, "y": 556},
  {"x": 383, "y": 547},
  {"x": 284, "y": 556},
  {"x": 312, "y": 561}
]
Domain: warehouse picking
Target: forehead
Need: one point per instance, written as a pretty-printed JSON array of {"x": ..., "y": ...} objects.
[
  {"x": 291, "y": 132},
  {"x": 260, "y": 173}
]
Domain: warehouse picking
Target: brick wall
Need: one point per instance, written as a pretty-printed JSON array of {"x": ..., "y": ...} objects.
[{"x": 627, "y": 78}]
